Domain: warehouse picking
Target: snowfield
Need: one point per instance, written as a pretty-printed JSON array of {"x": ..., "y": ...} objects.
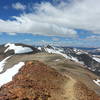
[
  {"x": 17, "y": 49},
  {"x": 97, "y": 82},
  {"x": 7, "y": 76},
  {"x": 3, "y": 62}
]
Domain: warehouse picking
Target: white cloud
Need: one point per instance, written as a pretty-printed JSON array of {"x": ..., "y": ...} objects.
[
  {"x": 61, "y": 20},
  {"x": 93, "y": 38},
  {"x": 30, "y": 23},
  {"x": 18, "y": 6},
  {"x": 11, "y": 33},
  {"x": 55, "y": 39}
]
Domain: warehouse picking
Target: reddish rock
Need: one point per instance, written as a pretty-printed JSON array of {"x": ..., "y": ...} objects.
[{"x": 35, "y": 81}]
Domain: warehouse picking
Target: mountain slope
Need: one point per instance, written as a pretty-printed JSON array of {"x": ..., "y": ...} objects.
[
  {"x": 37, "y": 81},
  {"x": 48, "y": 73},
  {"x": 60, "y": 64},
  {"x": 92, "y": 63}
]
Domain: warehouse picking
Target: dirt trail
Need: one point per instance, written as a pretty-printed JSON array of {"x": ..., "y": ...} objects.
[{"x": 69, "y": 87}]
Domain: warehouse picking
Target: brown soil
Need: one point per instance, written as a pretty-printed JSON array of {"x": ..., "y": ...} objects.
[{"x": 83, "y": 93}]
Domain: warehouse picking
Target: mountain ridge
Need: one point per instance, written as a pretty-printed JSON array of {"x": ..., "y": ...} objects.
[
  {"x": 43, "y": 85},
  {"x": 62, "y": 63}
]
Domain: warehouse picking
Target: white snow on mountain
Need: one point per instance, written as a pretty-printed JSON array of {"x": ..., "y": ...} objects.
[
  {"x": 97, "y": 82},
  {"x": 64, "y": 55},
  {"x": 7, "y": 76},
  {"x": 78, "y": 51},
  {"x": 56, "y": 52},
  {"x": 74, "y": 59},
  {"x": 3, "y": 62},
  {"x": 17, "y": 49},
  {"x": 39, "y": 48},
  {"x": 57, "y": 60},
  {"x": 96, "y": 59},
  {"x": 98, "y": 49},
  {"x": 92, "y": 69}
]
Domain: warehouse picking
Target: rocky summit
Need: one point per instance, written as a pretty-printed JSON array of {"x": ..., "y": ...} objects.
[{"x": 37, "y": 81}]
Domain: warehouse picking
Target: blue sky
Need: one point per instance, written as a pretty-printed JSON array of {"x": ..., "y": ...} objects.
[{"x": 56, "y": 22}]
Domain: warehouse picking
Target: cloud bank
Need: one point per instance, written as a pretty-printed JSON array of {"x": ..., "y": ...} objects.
[{"x": 60, "y": 20}]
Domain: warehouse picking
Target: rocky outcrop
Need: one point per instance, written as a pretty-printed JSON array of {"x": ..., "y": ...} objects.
[{"x": 35, "y": 81}]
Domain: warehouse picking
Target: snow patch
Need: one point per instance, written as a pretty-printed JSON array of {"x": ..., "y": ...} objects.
[
  {"x": 39, "y": 48},
  {"x": 92, "y": 69},
  {"x": 17, "y": 49},
  {"x": 75, "y": 59},
  {"x": 7, "y": 76},
  {"x": 3, "y": 62},
  {"x": 79, "y": 52},
  {"x": 97, "y": 82},
  {"x": 57, "y": 60},
  {"x": 96, "y": 59}
]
